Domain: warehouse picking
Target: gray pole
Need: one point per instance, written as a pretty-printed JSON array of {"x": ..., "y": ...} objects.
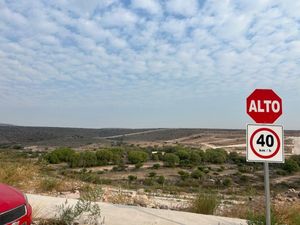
[{"x": 267, "y": 194}]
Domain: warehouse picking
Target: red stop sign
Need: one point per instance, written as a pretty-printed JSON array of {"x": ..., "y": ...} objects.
[{"x": 264, "y": 106}]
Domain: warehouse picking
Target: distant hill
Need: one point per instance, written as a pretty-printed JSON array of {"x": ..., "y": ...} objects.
[
  {"x": 56, "y": 136},
  {"x": 6, "y": 125}
]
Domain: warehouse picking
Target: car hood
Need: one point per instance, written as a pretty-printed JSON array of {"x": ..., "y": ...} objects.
[{"x": 10, "y": 198}]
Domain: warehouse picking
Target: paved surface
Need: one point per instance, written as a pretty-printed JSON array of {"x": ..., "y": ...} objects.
[{"x": 45, "y": 207}]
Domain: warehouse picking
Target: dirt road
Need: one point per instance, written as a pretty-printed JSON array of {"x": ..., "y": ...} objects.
[{"x": 131, "y": 134}]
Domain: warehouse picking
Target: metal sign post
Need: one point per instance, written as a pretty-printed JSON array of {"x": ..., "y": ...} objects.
[
  {"x": 267, "y": 193},
  {"x": 265, "y": 142}
]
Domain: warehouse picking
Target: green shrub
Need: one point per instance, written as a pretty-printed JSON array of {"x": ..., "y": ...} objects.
[
  {"x": 152, "y": 174},
  {"x": 135, "y": 157},
  {"x": 170, "y": 159},
  {"x": 156, "y": 166},
  {"x": 120, "y": 167},
  {"x": 281, "y": 172},
  {"x": 132, "y": 178},
  {"x": 197, "y": 174},
  {"x": 48, "y": 184},
  {"x": 244, "y": 179},
  {"x": 216, "y": 155},
  {"x": 234, "y": 157},
  {"x": 254, "y": 218},
  {"x": 183, "y": 174},
  {"x": 161, "y": 180},
  {"x": 148, "y": 182},
  {"x": 68, "y": 214},
  {"x": 204, "y": 204},
  {"x": 227, "y": 182},
  {"x": 183, "y": 154},
  {"x": 60, "y": 155},
  {"x": 296, "y": 158},
  {"x": 104, "y": 156},
  {"x": 290, "y": 166},
  {"x": 195, "y": 157}
]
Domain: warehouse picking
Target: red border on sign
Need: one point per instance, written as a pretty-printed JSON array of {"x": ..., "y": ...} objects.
[{"x": 264, "y": 156}]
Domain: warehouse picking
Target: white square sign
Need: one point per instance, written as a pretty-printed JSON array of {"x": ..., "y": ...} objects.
[{"x": 265, "y": 143}]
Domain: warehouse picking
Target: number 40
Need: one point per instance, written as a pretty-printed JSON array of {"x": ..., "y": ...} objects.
[{"x": 265, "y": 140}]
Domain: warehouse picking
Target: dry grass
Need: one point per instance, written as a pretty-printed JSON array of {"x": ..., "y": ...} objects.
[
  {"x": 289, "y": 213},
  {"x": 204, "y": 204},
  {"x": 282, "y": 214},
  {"x": 119, "y": 198},
  {"x": 49, "y": 184},
  {"x": 18, "y": 174}
]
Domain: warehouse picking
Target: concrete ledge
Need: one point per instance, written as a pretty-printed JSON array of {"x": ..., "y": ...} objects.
[{"x": 114, "y": 214}]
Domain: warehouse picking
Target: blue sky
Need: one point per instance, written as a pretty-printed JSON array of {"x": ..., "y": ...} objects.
[{"x": 146, "y": 63}]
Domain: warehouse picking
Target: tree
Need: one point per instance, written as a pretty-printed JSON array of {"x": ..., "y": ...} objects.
[
  {"x": 216, "y": 155},
  {"x": 60, "y": 155},
  {"x": 117, "y": 155},
  {"x": 183, "y": 154},
  {"x": 195, "y": 158},
  {"x": 135, "y": 157},
  {"x": 104, "y": 156},
  {"x": 88, "y": 159},
  {"x": 184, "y": 157},
  {"x": 52, "y": 158},
  {"x": 170, "y": 159},
  {"x": 74, "y": 161}
]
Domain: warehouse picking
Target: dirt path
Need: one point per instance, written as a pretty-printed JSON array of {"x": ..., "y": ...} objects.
[
  {"x": 136, "y": 133},
  {"x": 286, "y": 178},
  {"x": 109, "y": 168}
]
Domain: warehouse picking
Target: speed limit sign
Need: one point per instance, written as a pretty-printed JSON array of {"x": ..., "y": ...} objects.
[{"x": 265, "y": 143}]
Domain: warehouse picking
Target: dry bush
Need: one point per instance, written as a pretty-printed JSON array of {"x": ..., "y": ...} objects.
[
  {"x": 85, "y": 211},
  {"x": 119, "y": 198},
  {"x": 17, "y": 174},
  {"x": 254, "y": 212},
  {"x": 204, "y": 204},
  {"x": 49, "y": 184},
  {"x": 289, "y": 213}
]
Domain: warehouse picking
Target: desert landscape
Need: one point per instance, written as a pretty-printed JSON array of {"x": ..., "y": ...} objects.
[{"x": 190, "y": 170}]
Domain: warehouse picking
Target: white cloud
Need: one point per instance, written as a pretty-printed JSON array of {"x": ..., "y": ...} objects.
[
  {"x": 110, "y": 53},
  {"x": 184, "y": 8},
  {"x": 151, "y": 6},
  {"x": 175, "y": 27},
  {"x": 119, "y": 17}
]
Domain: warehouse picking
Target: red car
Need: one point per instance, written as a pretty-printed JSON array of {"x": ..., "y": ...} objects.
[{"x": 14, "y": 207}]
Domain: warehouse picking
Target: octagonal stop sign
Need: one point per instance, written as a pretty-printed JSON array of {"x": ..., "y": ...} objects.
[{"x": 264, "y": 106}]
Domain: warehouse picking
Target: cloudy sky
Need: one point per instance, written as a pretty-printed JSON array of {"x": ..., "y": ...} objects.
[{"x": 146, "y": 63}]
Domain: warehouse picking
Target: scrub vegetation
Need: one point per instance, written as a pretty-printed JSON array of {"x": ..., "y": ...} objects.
[{"x": 205, "y": 179}]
